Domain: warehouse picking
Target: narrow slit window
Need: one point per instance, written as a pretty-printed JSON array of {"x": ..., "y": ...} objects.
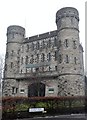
[
  {"x": 75, "y": 60},
  {"x": 66, "y": 42},
  {"x": 67, "y": 59}
]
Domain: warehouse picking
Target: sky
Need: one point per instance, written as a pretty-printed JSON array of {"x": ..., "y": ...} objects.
[{"x": 36, "y": 16}]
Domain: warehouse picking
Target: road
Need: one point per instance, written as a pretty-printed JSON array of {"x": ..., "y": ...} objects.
[{"x": 60, "y": 117}]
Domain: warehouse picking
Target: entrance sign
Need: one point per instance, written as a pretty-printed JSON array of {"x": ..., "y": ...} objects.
[{"x": 36, "y": 109}]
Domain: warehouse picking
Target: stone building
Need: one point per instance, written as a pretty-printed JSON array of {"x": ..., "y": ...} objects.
[{"x": 48, "y": 64}]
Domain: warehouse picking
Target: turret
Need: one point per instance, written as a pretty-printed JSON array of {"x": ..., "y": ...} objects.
[
  {"x": 71, "y": 80},
  {"x": 15, "y": 36}
]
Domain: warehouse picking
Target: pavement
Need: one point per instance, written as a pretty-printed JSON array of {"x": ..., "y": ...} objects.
[{"x": 60, "y": 117}]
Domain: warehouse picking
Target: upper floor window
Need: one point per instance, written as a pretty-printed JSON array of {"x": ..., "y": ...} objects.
[
  {"x": 67, "y": 59},
  {"x": 74, "y": 44},
  {"x": 12, "y": 52},
  {"x": 22, "y": 60},
  {"x": 6, "y": 54},
  {"x": 37, "y": 45},
  {"x": 26, "y": 61},
  {"x": 5, "y": 67},
  {"x": 60, "y": 58},
  {"x": 32, "y": 46},
  {"x": 56, "y": 55},
  {"x": 11, "y": 64},
  {"x": 56, "y": 68},
  {"x": 55, "y": 41},
  {"x": 27, "y": 48},
  {"x": 49, "y": 43},
  {"x": 37, "y": 58},
  {"x": 59, "y": 43},
  {"x": 43, "y": 44},
  {"x": 49, "y": 56},
  {"x": 75, "y": 60},
  {"x": 66, "y": 42},
  {"x": 43, "y": 57},
  {"x": 18, "y": 52},
  {"x": 31, "y": 60}
]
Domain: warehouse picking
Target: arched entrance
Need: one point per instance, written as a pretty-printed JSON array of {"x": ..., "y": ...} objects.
[{"x": 36, "y": 89}]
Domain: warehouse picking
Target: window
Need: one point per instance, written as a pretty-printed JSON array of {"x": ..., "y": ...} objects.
[
  {"x": 26, "y": 61},
  {"x": 27, "y": 48},
  {"x": 49, "y": 56},
  {"x": 75, "y": 60},
  {"x": 12, "y": 52},
  {"x": 32, "y": 46},
  {"x": 51, "y": 90},
  {"x": 16, "y": 90},
  {"x": 43, "y": 57},
  {"x": 13, "y": 90},
  {"x": 49, "y": 68},
  {"x": 5, "y": 67},
  {"x": 49, "y": 43},
  {"x": 6, "y": 54},
  {"x": 74, "y": 44},
  {"x": 66, "y": 42},
  {"x": 55, "y": 41},
  {"x": 43, "y": 45},
  {"x": 22, "y": 60},
  {"x": 22, "y": 91},
  {"x": 67, "y": 59},
  {"x": 60, "y": 58},
  {"x": 11, "y": 64},
  {"x": 18, "y": 52},
  {"x": 56, "y": 55},
  {"x": 59, "y": 43},
  {"x": 56, "y": 68},
  {"x": 37, "y": 45},
  {"x": 31, "y": 60},
  {"x": 37, "y": 58}
]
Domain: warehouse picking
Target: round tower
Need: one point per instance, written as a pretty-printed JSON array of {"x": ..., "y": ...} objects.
[
  {"x": 70, "y": 66},
  {"x": 15, "y": 36}
]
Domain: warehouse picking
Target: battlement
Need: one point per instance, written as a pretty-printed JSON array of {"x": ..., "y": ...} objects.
[
  {"x": 41, "y": 36},
  {"x": 67, "y": 12},
  {"x": 16, "y": 30}
]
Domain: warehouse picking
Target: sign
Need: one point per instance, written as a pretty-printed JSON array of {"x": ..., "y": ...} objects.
[{"x": 36, "y": 109}]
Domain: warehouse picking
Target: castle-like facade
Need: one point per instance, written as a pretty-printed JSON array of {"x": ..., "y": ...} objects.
[{"x": 48, "y": 64}]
